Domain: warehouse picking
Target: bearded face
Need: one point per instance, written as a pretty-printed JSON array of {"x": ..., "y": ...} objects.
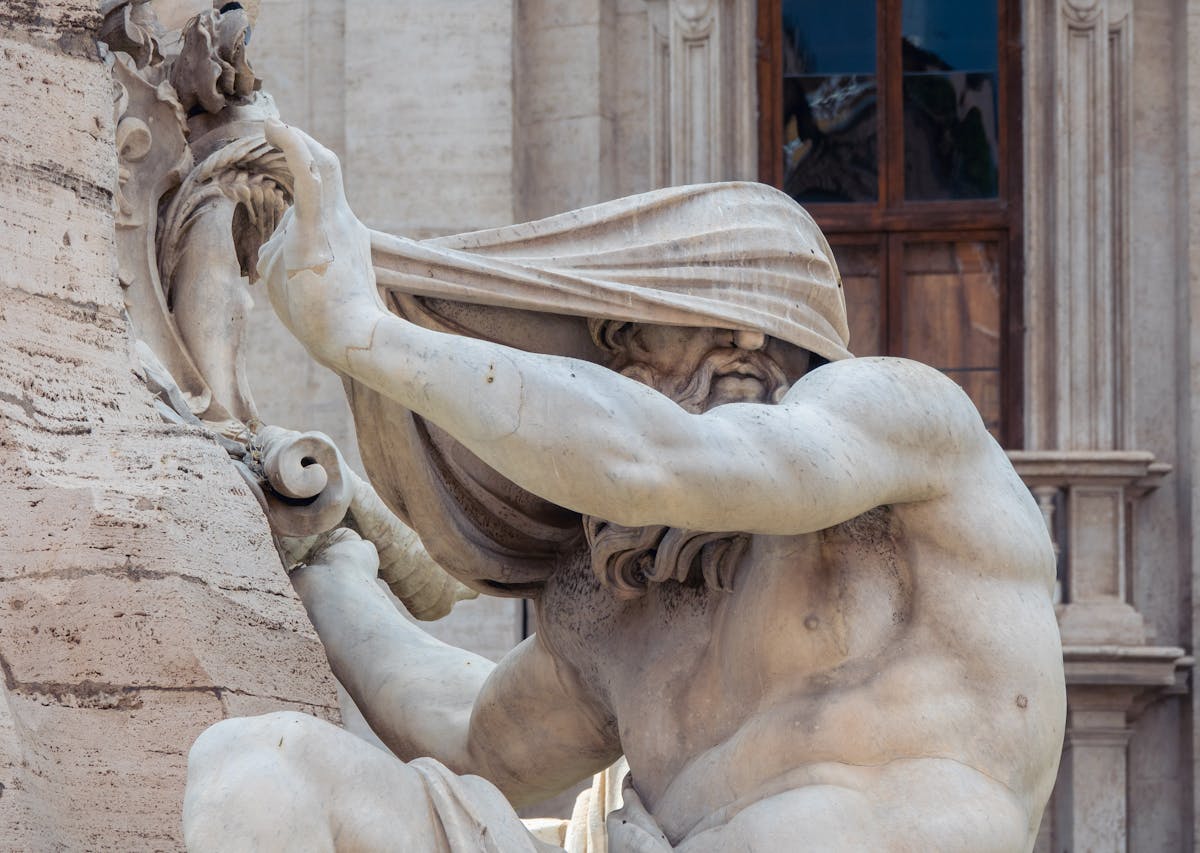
[
  {"x": 702, "y": 368},
  {"x": 699, "y": 369}
]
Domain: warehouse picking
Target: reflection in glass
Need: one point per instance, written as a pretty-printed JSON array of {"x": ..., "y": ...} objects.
[
  {"x": 951, "y": 316},
  {"x": 829, "y": 101},
  {"x": 961, "y": 33},
  {"x": 951, "y": 103}
]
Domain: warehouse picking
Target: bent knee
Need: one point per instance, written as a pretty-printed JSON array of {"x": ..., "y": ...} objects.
[{"x": 239, "y": 736}]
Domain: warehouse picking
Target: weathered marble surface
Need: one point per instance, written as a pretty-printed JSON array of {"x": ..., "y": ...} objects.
[{"x": 816, "y": 667}]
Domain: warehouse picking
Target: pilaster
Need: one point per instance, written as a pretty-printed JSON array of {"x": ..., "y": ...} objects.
[
  {"x": 702, "y": 83},
  {"x": 1078, "y": 121},
  {"x": 1084, "y": 463},
  {"x": 1107, "y": 689}
]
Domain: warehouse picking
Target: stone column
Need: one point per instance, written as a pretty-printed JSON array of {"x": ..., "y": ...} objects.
[
  {"x": 1107, "y": 690},
  {"x": 564, "y": 81},
  {"x": 140, "y": 597},
  {"x": 1189, "y": 92}
]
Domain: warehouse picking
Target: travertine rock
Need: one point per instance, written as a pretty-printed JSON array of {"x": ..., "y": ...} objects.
[{"x": 140, "y": 597}]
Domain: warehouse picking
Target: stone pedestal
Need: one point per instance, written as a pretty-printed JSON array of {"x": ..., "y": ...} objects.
[{"x": 1085, "y": 497}]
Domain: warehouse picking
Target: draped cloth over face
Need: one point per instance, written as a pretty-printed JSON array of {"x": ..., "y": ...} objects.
[{"x": 738, "y": 256}]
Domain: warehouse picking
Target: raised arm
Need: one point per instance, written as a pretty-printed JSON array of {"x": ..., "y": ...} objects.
[
  {"x": 522, "y": 724},
  {"x": 849, "y": 436}
]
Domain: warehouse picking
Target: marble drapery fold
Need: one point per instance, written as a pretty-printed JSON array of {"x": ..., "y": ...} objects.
[{"x": 740, "y": 256}]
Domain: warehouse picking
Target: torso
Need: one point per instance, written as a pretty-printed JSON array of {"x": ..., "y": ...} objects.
[{"x": 922, "y": 630}]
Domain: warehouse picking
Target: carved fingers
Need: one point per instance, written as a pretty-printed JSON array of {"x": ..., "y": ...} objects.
[
  {"x": 346, "y": 551},
  {"x": 312, "y": 182},
  {"x": 317, "y": 264}
]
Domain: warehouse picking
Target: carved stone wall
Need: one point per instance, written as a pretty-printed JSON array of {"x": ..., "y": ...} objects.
[
  {"x": 140, "y": 597},
  {"x": 1107, "y": 418}
]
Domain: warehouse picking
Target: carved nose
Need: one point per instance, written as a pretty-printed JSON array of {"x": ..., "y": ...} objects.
[{"x": 749, "y": 340}]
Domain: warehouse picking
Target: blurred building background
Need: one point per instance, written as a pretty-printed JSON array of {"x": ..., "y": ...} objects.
[{"x": 1011, "y": 190}]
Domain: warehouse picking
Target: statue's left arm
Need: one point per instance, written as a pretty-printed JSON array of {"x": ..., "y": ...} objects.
[{"x": 847, "y": 437}]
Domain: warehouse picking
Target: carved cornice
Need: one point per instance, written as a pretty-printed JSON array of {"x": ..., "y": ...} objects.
[
  {"x": 1061, "y": 468},
  {"x": 1143, "y": 667},
  {"x": 1084, "y": 15}
]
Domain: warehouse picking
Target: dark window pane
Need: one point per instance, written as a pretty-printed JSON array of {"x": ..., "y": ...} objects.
[
  {"x": 830, "y": 138},
  {"x": 951, "y": 316},
  {"x": 951, "y": 118},
  {"x": 862, "y": 284},
  {"x": 950, "y": 35},
  {"x": 951, "y": 144},
  {"x": 827, "y": 38},
  {"x": 829, "y": 101}
]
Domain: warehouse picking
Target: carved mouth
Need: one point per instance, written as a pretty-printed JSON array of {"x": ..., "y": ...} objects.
[{"x": 743, "y": 367}]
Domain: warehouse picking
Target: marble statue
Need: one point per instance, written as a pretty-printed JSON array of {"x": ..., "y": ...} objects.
[{"x": 803, "y": 594}]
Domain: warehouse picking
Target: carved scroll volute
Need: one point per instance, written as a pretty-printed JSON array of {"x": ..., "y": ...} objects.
[
  {"x": 153, "y": 158},
  {"x": 309, "y": 492}
]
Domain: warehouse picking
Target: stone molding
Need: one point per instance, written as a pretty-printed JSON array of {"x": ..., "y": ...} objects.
[
  {"x": 1086, "y": 497},
  {"x": 1078, "y": 77},
  {"x": 701, "y": 83}
]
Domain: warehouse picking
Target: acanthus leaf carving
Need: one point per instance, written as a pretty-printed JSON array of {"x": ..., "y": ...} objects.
[{"x": 134, "y": 30}]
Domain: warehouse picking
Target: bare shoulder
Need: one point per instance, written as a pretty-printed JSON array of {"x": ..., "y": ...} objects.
[
  {"x": 910, "y": 402},
  {"x": 884, "y": 379}
]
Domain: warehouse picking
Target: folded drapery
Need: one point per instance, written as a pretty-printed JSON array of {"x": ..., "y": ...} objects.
[
  {"x": 739, "y": 256},
  {"x": 733, "y": 256}
]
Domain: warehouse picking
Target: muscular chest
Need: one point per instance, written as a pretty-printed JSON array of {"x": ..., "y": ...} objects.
[{"x": 800, "y": 608}]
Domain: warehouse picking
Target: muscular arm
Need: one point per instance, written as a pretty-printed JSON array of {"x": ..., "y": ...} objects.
[
  {"x": 523, "y": 724},
  {"x": 850, "y": 436}
]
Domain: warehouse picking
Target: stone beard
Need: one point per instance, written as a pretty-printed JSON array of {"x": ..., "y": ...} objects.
[{"x": 628, "y": 559}]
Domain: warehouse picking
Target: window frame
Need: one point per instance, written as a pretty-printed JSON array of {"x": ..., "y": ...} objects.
[{"x": 891, "y": 219}]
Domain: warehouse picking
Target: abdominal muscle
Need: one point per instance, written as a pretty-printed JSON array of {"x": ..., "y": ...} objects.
[
  {"x": 833, "y": 651},
  {"x": 853, "y": 669}
]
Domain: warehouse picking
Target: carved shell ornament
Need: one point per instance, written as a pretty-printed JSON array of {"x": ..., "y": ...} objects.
[{"x": 199, "y": 190}]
